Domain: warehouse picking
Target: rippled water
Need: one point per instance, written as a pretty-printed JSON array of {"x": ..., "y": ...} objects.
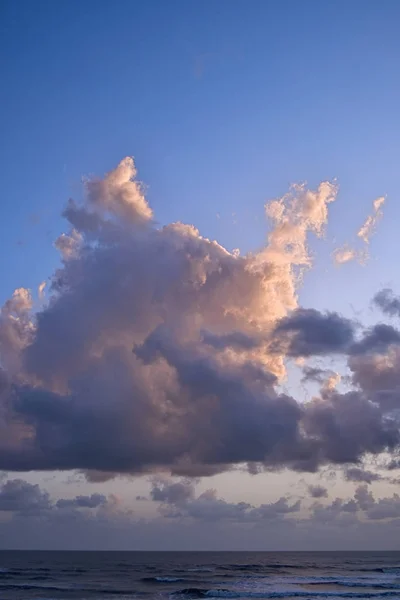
[{"x": 185, "y": 575}]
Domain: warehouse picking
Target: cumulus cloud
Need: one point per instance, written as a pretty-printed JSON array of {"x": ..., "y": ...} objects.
[
  {"x": 160, "y": 350},
  {"x": 20, "y": 496},
  {"x": 172, "y": 492},
  {"x": 178, "y": 500},
  {"x": 35, "y": 520},
  {"x": 363, "y": 504},
  {"x": 24, "y": 498}
]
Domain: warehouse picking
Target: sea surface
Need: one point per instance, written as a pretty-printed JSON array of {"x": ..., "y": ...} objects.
[{"x": 187, "y": 575}]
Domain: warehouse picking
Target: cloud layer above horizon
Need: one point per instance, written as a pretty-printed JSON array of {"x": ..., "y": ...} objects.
[
  {"x": 32, "y": 519},
  {"x": 159, "y": 350}
]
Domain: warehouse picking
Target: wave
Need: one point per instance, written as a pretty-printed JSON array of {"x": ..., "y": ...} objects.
[
  {"x": 374, "y": 569},
  {"x": 201, "y": 570},
  {"x": 391, "y": 569},
  {"x": 355, "y": 583},
  {"x": 161, "y": 579},
  {"x": 224, "y": 593},
  {"x": 258, "y": 567},
  {"x": 50, "y": 588}
]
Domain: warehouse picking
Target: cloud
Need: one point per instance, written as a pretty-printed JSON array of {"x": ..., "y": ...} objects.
[
  {"x": 41, "y": 289},
  {"x": 357, "y": 474},
  {"x": 118, "y": 193},
  {"x": 235, "y": 339},
  {"x": 378, "y": 376},
  {"x": 92, "y": 501},
  {"x": 158, "y": 350},
  {"x": 311, "y": 333},
  {"x": 327, "y": 378},
  {"x": 376, "y": 340},
  {"x": 367, "y": 229},
  {"x": 172, "y": 493},
  {"x": 388, "y": 302},
  {"x": 364, "y": 498},
  {"x": 346, "y": 253},
  {"x": 215, "y": 523},
  {"x": 179, "y": 501},
  {"x": 385, "y": 508},
  {"x": 393, "y": 464},
  {"x": 317, "y": 491},
  {"x": 20, "y": 496}
]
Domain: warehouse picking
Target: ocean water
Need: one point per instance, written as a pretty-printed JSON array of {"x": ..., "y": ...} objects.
[{"x": 186, "y": 575}]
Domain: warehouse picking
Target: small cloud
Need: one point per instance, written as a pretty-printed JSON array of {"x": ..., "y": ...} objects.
[
  {"x": 367, "y": 229},
  {"x": 361, "y": 475},
  {"x": 318, "y": 491},
  {"x": 346, "y": 253},
  {"x": 41, "y": 289}
]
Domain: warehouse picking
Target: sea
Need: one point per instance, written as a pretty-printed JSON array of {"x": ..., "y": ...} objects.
[{"x": 192, "y": 575}]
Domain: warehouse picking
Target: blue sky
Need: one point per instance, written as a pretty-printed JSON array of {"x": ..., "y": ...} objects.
[{"x": 223, "y": 104}]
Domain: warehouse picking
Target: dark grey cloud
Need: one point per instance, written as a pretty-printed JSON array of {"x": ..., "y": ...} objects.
[
  {"x": 23, "y": 497},
  {"x": 179, "y": 501},
  {"x": 92, "y": 501},
  {"x": 363, "y": 505},
  {"x": 393, "y": 464},
  {"x": 172, "y": 492},
  {"x": 315, "y": 374},
  {"x": 376, "y": 340},
  {"x": 377, "y": 375},
  {"x": 317, "y": 491},
  {"x": 234, "y": 339},
  {"x": 364, "y": 498},
  {"x": 349, "y": 426},
  {"x": 229, "y": 420},
  {"x": 388, "y": 302},
  {"x": 337, "y": 510},
  {"x": 385, "y": 508},
  {"x": 361, "y": 475},
  {"x": 308, "y": 332},
  {"x": 96, "y": 476},
  {"x": 276, "y": 510}
]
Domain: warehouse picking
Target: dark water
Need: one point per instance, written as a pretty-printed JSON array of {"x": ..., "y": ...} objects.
[{"x": 187, "y": 575}]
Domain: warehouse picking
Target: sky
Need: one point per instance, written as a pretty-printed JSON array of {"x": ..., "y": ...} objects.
[{"x": 199, "y": 333}]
